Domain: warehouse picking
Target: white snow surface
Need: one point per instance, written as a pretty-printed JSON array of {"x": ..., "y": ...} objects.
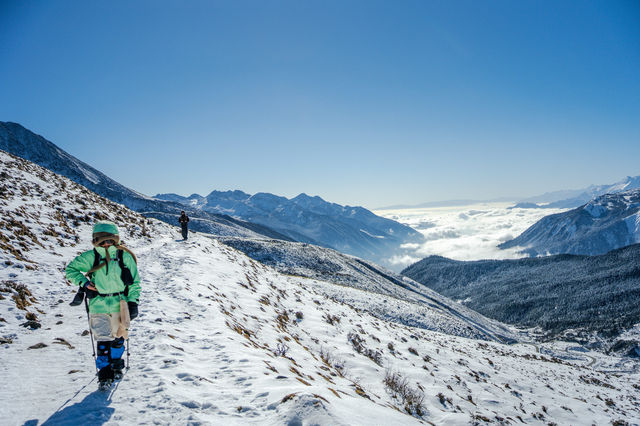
[{"x": 223, "y": 339}]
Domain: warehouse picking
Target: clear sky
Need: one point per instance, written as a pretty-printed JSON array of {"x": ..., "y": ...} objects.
[{"x": 367, "y": 102}]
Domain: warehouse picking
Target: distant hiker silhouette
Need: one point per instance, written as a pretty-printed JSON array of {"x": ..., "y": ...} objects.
[
  {"x": 110, "y": 287},
  {"x": 184, "y": 223}
]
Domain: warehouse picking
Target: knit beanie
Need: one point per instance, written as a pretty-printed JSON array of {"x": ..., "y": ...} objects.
[{"x": 104, "y": 230}]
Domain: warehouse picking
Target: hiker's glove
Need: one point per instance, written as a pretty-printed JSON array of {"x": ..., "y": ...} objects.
[
  {"x": 90, "y": 292},
  {"x": 78, "y": 298},
  {"x": 133, "y": 309}
]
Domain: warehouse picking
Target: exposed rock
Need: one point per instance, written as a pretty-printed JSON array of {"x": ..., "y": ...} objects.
[
  {"x": 37, "y": 346},
  {"x": 33, "y": 325}
]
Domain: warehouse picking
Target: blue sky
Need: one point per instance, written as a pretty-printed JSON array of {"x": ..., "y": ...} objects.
[{"x": 367, "y": 103}]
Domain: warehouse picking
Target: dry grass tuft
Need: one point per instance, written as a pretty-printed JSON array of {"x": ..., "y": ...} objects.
[
  {"x": 399, "y": 388},
  {"x": 358, "y": 345}
]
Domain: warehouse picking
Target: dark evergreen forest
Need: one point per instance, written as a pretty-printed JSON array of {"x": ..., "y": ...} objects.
[{"x": 592, "y": 293}]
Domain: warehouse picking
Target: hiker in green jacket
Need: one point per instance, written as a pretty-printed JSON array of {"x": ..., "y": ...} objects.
[{"x": 108, "y": 278}]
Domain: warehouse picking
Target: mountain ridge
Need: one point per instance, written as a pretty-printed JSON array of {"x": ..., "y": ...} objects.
[
  {"x": 605, "y": 223},
  {"x": 576, "y": 198},
  {"x": 350, "y": 229},
  {"x": 353, "y": 230},
  {"x": 18, "y": 140}
]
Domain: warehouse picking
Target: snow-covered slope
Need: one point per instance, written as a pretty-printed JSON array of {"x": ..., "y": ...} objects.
[
  {"x": 398, "y": 299},
  {"x": 606, "y": 223},
  {"x": 351, "y": 230},
  {"x": 17, "y": 140},
  {"x": 223, "y": 339},
  {"x": 570, "y": 199}
]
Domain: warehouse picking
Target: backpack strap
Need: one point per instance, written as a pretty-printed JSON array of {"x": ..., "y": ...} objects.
[
  {"x": 96, "y": 259},
  {"x": 125, "y": 273},
  {"x": 96, "y": 265}
]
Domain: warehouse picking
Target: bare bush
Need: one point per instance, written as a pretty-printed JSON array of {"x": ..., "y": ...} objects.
[
  {"x": 281, "y": 349},
  {"x": 332, "y": 319},
  {"x": 358, "y": 344},
  {"x": 399, "y": 388},
  {"x": 332, "y": 361}
]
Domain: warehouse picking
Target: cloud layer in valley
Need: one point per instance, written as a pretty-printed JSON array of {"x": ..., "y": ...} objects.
[{"x": 469, "y": 232}]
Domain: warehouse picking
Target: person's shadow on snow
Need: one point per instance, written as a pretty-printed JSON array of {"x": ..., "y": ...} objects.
[{"x": 92, "y": 410}]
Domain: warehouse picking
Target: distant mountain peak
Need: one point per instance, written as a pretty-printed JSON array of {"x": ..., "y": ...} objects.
[
  {"x": 231, "y": 193},
  {"x": 576, "y": 198},
  {"x": 605, "y": 223},
  {"x": 303, "y": 196}
]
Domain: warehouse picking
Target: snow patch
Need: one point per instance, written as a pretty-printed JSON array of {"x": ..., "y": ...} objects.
[
  {"x": 595, "y": 210},
  {"x": 633, "y": 226},
  {"x": 371, "y": 235}
]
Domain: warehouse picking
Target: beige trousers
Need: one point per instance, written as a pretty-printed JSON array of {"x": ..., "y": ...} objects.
[{"x": 107, "y": 327}]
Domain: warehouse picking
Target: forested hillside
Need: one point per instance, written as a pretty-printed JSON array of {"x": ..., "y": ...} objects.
[{"x": 557, "y": 293}]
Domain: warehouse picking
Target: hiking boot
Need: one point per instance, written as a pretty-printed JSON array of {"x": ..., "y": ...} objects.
[
  {"x": 118, "y": 366},
  {"x": 106, "y": 375}
]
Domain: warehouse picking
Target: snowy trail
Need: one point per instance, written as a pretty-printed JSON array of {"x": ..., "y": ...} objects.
[
  {"x": 160, "y": 353},
  {"x": 190, "y": 364},
  {"x": 222, "y": 339}
]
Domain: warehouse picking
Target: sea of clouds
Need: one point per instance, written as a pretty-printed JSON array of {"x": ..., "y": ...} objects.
[{"x": 470, "y": 232}]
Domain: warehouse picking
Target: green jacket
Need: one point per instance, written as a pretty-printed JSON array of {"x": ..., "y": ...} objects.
[{"x": 106, "y": 279}]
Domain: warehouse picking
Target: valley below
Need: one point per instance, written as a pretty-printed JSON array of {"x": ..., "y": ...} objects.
[{"x": 467, "y": 232}]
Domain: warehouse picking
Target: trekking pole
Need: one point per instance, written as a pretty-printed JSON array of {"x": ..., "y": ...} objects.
[
  {"x": 93, "y": 346},
  {"x": 127, "y": 351}
]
